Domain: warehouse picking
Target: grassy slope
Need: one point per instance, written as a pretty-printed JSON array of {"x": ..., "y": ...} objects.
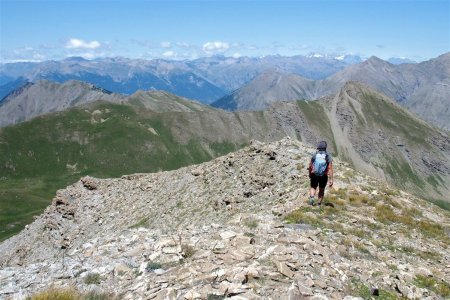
[
  {"x": 395, "y": 121},
  {"x": 317, "y": 119},
  {"x": 50, "y": 152}
]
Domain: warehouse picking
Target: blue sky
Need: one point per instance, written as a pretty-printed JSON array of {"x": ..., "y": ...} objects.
[{"x": 41, "y": 30}]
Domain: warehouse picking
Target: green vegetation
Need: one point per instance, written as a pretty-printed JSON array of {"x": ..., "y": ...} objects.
[
  {"x": 316, "y": 117},
  {"x": 153, "y": 266},
  {"x": 311, "y": 216},
  {"x": 361, "y": 290},
  {"x": 92, "y": 278},
  {"x": 402, "y": 172},
  {"x": 50, "y": 152},
  {"x": 380, "y": 111},
  {"x": 187, "y": 250},
  {"x": 251, "y": 223},
  {"x": 70, "y": 294},
  {"x": 142, "y": 223},
  {"x": 441, "y": 203},
  {"x": 439, "y": 287}
]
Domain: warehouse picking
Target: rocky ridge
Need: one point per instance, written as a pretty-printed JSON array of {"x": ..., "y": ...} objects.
[{"x": 236, "y": 227}]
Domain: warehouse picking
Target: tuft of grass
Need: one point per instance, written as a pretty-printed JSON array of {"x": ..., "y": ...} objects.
[
  {"x": 142, "y": 223},
  {"x": 440, "y": 287},
  {"x": 385, "y": 214},
  {"x": 339, "y": 193},
  {"x": 187, "y": 250},
  {"x": 358, "y": 199},
  {"x": 304, "y": 216},
  {"x": 313, "y": 216},
  {"x": 251, "y": 223},
  {"x": 393, "y": 267},
  {"x": 92, "y": 278},
  {"x": 70, "y": 294},
  {"x": 57, "y": 294},
  {"x": 99, "y": 296}
]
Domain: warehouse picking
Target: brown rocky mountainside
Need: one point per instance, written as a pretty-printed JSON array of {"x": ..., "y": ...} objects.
[
  {"x": 35, "y": 99},
  {"x": 236, "y": 227},
  {"x": 423, "y": 88},
  {"x": 373, "y": 133},
  {"x": 266, "y": 89}
]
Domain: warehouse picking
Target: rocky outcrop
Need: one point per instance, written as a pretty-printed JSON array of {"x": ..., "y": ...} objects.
[{"x": 239, "y": 227}]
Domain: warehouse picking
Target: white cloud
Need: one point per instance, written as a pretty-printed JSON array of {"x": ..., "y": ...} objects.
[
  {"x": 215, "y": 47},
  {"x": 236, "y": 55},
  {"x": 166, "y": 44},
  {"x": 81, "y": 44},
  {"x": 169, "y": 54},
  {"x": 183, "y": 45}
]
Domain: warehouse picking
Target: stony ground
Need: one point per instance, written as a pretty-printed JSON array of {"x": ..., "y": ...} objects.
[{"x": 237, "y": 227}]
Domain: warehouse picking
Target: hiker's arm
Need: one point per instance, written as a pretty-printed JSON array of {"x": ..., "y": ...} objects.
[
  {"x": 310, "y": 167},
  {"x": 330, "y": 174}
]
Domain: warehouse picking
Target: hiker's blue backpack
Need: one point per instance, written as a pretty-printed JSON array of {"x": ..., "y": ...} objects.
[{"x": 320, "y": 163}]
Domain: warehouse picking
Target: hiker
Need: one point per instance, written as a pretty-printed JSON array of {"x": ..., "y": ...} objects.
[{"x": 320, "y": 172}]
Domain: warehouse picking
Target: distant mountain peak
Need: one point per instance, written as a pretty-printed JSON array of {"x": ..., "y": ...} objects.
[
  {"x": 374, "y": 60},
  {"x": 75, "y": 58}
]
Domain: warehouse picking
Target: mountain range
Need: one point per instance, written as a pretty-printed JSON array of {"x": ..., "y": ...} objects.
[
  {"x": 151, "y": 131},
  {"x": 424, "y": 88},
  {"x": 204, "y": 79},
  {"x": 252, "y": 83}
]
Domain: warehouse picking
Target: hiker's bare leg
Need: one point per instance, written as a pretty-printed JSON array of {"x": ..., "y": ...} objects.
[
  {"x": 312, "y": 192},
  {"x": 321, "y": 194}
]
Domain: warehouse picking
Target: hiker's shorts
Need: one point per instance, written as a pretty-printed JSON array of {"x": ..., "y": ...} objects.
[{"x": 320, "y": 181}]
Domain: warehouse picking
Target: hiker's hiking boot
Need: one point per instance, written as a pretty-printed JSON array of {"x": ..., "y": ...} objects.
[{"x": 311, "y": 201}]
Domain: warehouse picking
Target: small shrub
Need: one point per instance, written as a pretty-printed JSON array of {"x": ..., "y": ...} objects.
[
  {"x": 92, "y": 278},
  {"x": 153, "y": 266},
  {"x": 215, "y": 297},
  {"x": 249, "y": 234},
  {"x": 188, "y": 250}
]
